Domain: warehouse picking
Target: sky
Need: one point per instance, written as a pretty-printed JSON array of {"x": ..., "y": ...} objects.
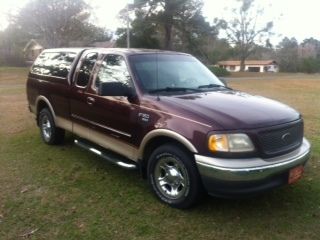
[{"x": 292, "y": 18}]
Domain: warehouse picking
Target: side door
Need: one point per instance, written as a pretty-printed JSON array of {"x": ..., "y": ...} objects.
[
  {"x": 80, "y": 100},
  {"x": 114, "y": 116}
]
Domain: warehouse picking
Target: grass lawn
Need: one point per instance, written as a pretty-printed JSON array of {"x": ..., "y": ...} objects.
[{"x": 64, "y": 192}]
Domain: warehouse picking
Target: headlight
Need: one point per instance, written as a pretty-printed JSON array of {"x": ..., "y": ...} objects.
[{"x": 237, "y": 142}]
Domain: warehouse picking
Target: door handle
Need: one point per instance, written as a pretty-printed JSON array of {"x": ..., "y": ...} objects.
[{"x": 90, "y": 100}]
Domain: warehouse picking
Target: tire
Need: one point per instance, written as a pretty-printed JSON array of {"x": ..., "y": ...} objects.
[
  {"x": 50, "y": 134},
  {"x": 174, "y": 177}
]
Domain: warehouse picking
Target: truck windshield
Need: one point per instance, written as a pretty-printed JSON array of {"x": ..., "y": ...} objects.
[{"x": 164, "y": 73}]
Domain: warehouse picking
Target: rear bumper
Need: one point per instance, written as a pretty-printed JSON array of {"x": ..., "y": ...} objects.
[{"x": 236, "y": 177}]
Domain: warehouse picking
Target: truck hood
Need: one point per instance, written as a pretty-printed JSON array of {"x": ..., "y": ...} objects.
[{"x": 234, "y": 110}]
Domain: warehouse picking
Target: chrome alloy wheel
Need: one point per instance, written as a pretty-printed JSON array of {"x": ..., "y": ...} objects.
[
  {"x": 46, "y": 128},
  {"x": 171, "y": 177}
]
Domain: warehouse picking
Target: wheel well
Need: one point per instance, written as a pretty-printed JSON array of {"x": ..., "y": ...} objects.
[{"x": 152, "y": 145}]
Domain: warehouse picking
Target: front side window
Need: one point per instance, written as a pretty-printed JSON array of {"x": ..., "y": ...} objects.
[
  {"x": 172, "y": 71},
  {"x": 113, "y": 69},
  {"x": 56, "y": 64},
  {"x": 86, "y": 68}
]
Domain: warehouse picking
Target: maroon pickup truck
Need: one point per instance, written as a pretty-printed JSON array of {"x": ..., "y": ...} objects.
[{"x": 167, "y": 115}]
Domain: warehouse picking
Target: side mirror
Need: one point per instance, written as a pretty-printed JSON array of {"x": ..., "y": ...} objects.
[{"x": 114, "y": 89}]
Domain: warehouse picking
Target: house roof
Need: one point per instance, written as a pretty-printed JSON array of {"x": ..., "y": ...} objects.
[
  {"x": 35, "y": 43},
  {"x": 248, "y": 62}
]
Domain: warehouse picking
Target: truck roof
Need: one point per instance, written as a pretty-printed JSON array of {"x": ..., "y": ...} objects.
[{"x": 126, "y": 51}]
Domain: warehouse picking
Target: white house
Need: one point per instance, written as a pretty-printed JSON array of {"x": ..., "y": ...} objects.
[
  {"x": 251, "y": 66},
  {"x": 32, "y": 49}
]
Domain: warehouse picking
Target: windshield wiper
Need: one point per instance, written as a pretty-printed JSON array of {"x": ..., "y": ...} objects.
[
  {"x": 174, "y": 89},
  {"x": 212, "y": 85}
]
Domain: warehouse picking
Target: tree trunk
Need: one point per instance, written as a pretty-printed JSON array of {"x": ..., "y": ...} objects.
[
  {"x": 168, "y": 24},
  {"x": 242, "y": 64},
  {"x": 168, "y": 34}
]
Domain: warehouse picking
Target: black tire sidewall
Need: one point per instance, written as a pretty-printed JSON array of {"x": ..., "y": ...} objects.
[
  {"x": 194, "y": 184},
  {"x": 46, "y": 112}
]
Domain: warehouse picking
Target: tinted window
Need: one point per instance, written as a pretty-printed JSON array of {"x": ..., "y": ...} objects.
[
  {"x": 86, "y": 69},
  {"x": 113, "y": 69},
  {"x": 54, "y": 64}
]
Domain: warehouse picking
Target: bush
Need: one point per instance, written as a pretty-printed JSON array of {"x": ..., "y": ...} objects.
[
  {"x": 309, "y": 65},
  {"x": 304, "y": 65},
  {"x": 218, "y": 71}
]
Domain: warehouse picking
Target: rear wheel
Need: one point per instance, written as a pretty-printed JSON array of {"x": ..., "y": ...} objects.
[
  {"x": 48, "y": 130},
  {"x": 174, "y": 177}
]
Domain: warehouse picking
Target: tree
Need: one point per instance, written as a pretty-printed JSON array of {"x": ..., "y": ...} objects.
[
  {"x": 243, "y": 31},
  {"x": 219, "y": 49},
  {"x": 309, "y": 48},
  {"x": 287, "y": 55},
  {"x": 309, "y": 65},
  {"x": 266, "y": 52},
  {"x": 295, "y": 57},
  {"x": 193, "y": 33},
  {"x": 172, "y": 13},
  {"x": 12, "y": 42},
  {"x": 174, "y": 25},
  {"x": 143, "y": 33},
  {"x": 57, "y": 22}
]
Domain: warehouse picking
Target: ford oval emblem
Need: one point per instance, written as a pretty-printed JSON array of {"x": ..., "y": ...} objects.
[{"x": 286, "y": 137}]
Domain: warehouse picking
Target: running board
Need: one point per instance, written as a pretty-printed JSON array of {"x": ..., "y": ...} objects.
[{"x": 107, "y": 155}]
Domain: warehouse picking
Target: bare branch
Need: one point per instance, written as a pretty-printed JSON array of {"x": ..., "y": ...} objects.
[{"x": 242, "y": 30}]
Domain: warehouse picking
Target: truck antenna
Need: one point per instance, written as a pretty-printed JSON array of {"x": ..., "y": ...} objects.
[{"x": 157, "y": 76}]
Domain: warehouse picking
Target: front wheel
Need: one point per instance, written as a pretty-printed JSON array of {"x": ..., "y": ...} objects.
[{"x": 174, "y": 177}]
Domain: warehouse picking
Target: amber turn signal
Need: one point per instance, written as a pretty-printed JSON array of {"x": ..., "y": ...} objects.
[
  {"x": 235, "y": 142},
  {"x": 218, "y": 143}
]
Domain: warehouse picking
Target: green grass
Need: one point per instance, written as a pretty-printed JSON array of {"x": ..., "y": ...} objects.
[{"x": 64, "y": 192}]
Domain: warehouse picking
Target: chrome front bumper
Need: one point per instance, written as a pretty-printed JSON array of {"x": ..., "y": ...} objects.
[{"x": 234, "y": 174}]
